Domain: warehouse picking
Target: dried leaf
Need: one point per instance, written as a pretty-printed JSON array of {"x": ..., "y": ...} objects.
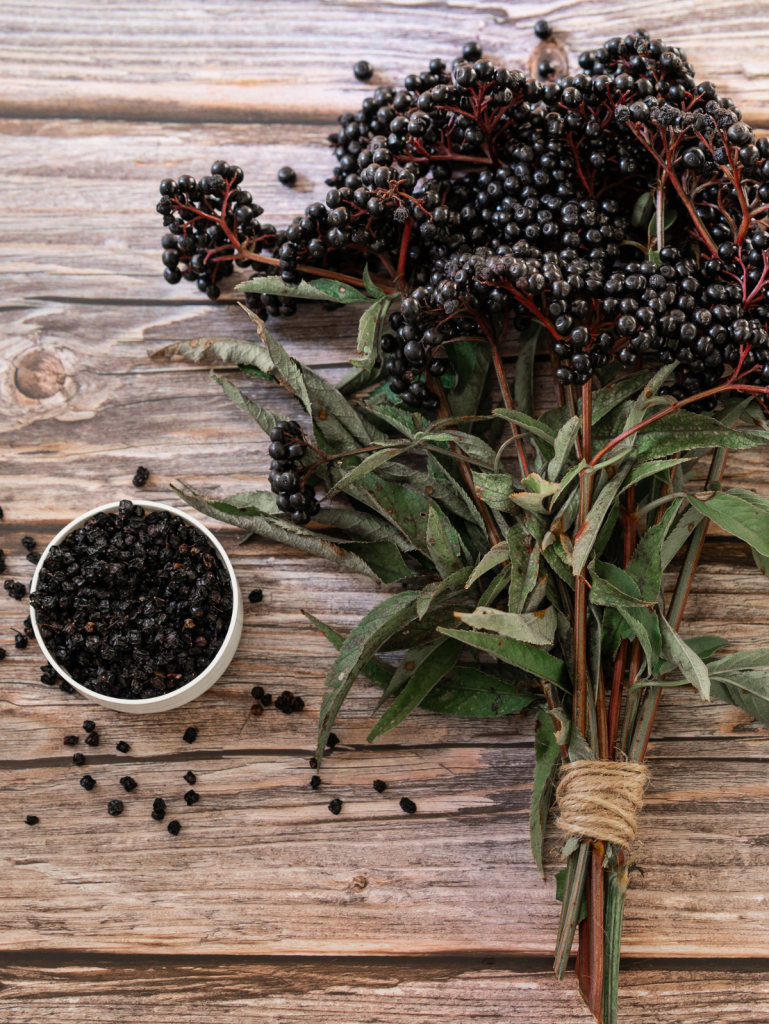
[
  {"x": 546, "y": 757},
  {"x": 532, "y": 627},
  {"x": 532, "y": 660}
]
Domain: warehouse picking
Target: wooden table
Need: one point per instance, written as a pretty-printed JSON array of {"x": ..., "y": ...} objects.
[{"x": 266, "y": 907}]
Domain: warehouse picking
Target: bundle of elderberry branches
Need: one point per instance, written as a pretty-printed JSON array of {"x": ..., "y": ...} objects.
[{"x": 617, "y": 218}]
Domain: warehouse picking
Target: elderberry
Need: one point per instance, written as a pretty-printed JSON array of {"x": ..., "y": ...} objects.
[
  {"x": 174, "y": 828},
  {"x": 255, "y": 596},
  {"x": 122, "y": 746},
  {"x": 28, "y": 543},
  {"x": 257, "y": 692},
  {"x": 88, "y": 725},
  {"x": 363, "y": 70},
  {"x": 88, "y": 782},
  {"x": 115, "y": 807},
  {"x": 128, "y": 784},
  {"x": 31, "y": 819},
  {"x": 315, "y": 781},
  {"x": 141, "y": 476},
  {"x": 92, "y": 739},
  {"x": 3, "y": 653},
  {"x": 191, "y": 797},
  {"x": 380, "y": 786},
  {"x": 78, "y": 758},
  {"x": 335, "y": 806},
  {"x": 287, "y": 450},
  {"x": 20, "y": 641},
  {"x": 34, "y": 557},
  {"x": 287, "y": 176},
  {"x": 191, "y": 778},
  {"x": 190, "y": 734},
  {"x": 71, "y": 741},
  {"x": 407, "y": 805},
  {"x": 288, "y": 703}
]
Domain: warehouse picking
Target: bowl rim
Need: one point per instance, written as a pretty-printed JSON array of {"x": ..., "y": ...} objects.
[{"x": 146, "y": 702}]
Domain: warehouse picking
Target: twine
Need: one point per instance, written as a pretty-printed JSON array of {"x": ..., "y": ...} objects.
[{"x": 601, "y": 799}]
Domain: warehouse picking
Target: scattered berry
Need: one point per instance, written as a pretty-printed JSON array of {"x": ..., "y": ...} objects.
[
  {"x": 88, "y": 782},
  {"x": 66, "y": 687},
  {"x": 363, "y": 70},
  {"x": 408, "y": 805},
  {"x": 257, "y": 692},
  {"x": 71, "y": 741},
  {"x": 190, "y": 734},
  {"x": 20, "y": 641},
  {"x": 174, "y": 828},
  {"x": 158, "y": 804},
  {"x": 380, "y": 786},
  {"x": 257, "y": 709},
  {"x": 543, "y": 29},
  {"x": 128, "y": 784},
  {"x": 267, "y": 700},
  {"x": 191, "y": 778},
  {"x": 15, "y": 589},
  {"x": 255, "y": 596},
  {"x": 158, "y": 814},
  {"x": 3, "y": 653},
  {"x": 115, "y": 807},
  {"x": 315, "y": 781},
  {"x": 288, "y": 703},
  {"x": 28, "y": 543},
  {"x": 78, "y": 758},
  {"x": 34, "y": 557},
  {"x": 122, "y": 746},
  {"x": 313, "y": 762},
  {"x": 287, "y": 176},
  {"x": 28, "y": 630},
  {"x": 332, "y": 740},
  {"x": 31, "y": 819},
  {"x": 92, "y": 739},
  {"x": 191, "y": 797},
  {"x": 48, "y": 675},
  {"x": 141, "y": 476},
  {"x": 88, "y": 725},
  {"x": 335, "y": 806}
]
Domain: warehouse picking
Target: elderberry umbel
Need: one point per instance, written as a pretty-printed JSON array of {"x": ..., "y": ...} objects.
[
  {"x": 287, "y": 450},
  {"x": 133, "y": 605}
]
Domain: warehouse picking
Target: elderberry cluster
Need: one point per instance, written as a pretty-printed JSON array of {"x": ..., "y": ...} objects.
[{"x": 287, "y": 450}]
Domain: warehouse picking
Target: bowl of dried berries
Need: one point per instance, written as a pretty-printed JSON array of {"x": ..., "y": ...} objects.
[{"x": 137, "y": 606}]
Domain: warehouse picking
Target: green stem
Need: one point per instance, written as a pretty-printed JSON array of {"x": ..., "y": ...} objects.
[
  {"x": 574, "y": 890},
  {"x": 616, "y": 890}
]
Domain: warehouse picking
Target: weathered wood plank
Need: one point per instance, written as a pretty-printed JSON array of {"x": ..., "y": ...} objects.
[{"x": 234, "y": 61}]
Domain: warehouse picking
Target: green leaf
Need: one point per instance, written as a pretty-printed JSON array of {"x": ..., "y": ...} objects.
[
  {"x": 495, "y": 490},
  {"x": 537, "y": 494},
  {"x": 703, "y": 646},
  {"x": 691, "y": 666},
  {"x": 499, "y": 553},
  {"x": 378, "y": 672},
  {"x": 410, "y": 661},
  {"x": 643, "y": 210},
  {"x": 422, "y": 631},
  {"x": 287, "y": 370},
  {"x": 564, "y": 448},
  {"x": 609, "y": 397},
  {"x": 682, "y": 431},
  {"x": 524, "y": 368},
  {"x": 251, "y": 502},
  {"x": 365, "y": 466},
  {"x": 614, "y": 587},
  {"x": 537, "y": 663},
  {"x": 756, "y": 707},
  {"x": 465, "y": 396},
  {"x": 679, "y": 534},
  {"x": 741, "y": 513},
  {"x": 363, "y": 526},
  {"x": 263, "y": 417},
  {"x": 356, "y": 379},
  {"x": 646, "y": 469},
  {"x": 758, "y": 658},
  {"x": 476, "y": 695},
  {"x": 443, "y": 543},
  {"x": 330, "y": 408},
  {"x": 440, "y": 661},
  {"x": 383, "y": 557},
  {"x": 546, "y": 755},
  {"x": 402, "y": 507},
  {"x": 373, "y": 289},
  {"x": 368, "y": 636},
  {"x": 284, "y": 533},
  {"x": 587, "y": 534},
  {"x": 645, "y": 567},
  {"x": 524, "y": 564},
  {"x": 528, "y": 424},
  {"x": 370, "y": 327},
  {"x": 322, "y": 289},
  {"x": 227, "y": 350},
  {"x": 532, "y": 627},
  {"x": 434, "y": 590},
  {"x": 495, "y": 588}
]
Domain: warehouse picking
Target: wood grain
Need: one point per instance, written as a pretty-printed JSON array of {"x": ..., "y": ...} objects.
[{"x": 264, "y": 905}]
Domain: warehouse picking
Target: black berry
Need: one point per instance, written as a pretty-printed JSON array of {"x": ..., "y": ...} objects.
[
  {"x": 78, "y": 758},
  {"x": 287, "y": 176},
  {"x": 408, "y": 805},
  {"x": 363, "y": 70},
  {"x": 543, "y": 29},
  {"x": 335, "y": 806},
  {"x": 128, "y": 784},
  {"x": 257, "y": 692},
  {"x": 191, "y": 778},
  {"x": 20, "y": 641},
  {"x": 28, "y": 543},
  {"x": 380, "y": 786},
  {"x": 88, "y": 725},
  {"x": 174, "y": 828},
  {"x": 332, "y": 740},
  {"x": 255, "y": 596},
  {"x": 88, "y": 782},
  {"x": 190, "y": 734},
  {"x": 191, "y": 797},
  {"x": 267, "y": 699},
  {"x": 31, "y": 819},
  {"x": 115, "y": 807},
  {"x": 122, "y": 746},
  {"x": 92, "y": 739},
  {"x": 315, "y": 781},
  {"x": 71, "y": 741},
  {"x": 141, "y": 476}
]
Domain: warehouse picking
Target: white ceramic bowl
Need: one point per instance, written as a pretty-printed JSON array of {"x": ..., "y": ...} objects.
[{"x": 196, "y": 686}]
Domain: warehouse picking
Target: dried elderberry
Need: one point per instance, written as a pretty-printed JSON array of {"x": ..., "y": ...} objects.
[
  {"x": 122, "y": 746},
  {"x": 335, "y": 806},
  {"x": 88, "y": 782},
  {"x": 71, "y": 741},
  {"x": 31, "y": 819},
  {"x": 141, "y": 476},
  {"x": 128, "y": 784},
  {"x": 158, "y": 813},
  {"x": 267, "y": 700},
  {"x": 191, "y": 778},
  {"x": 3, "y": 653},
  {"x": 89, "y": 725},
  {"x": 315, "y": 781},
  {"x": 190, "y": 734},
  {"x": 115, "y": 807},
  {"x": 407, "y": 805},
  {"x": 255, "y": 596},
  {"x": 380, "y": 786},
  {"x": 78, "y": 758},
  {"x": 92, "y": 739},
  {"x": 34, "y": 557},
  {"x": 28, "y": 543},
  {"x": 313, "y": 762},
  {"x": 174, "y": 828},
  {"x": 363, "y": 70},
  {"x": 257, "y": 692},
  {"x": 332, "y": 740},
  {"x": 287, "y": 176},
  {"x": 20, "y": 641},
  {"x": 191, "y": 797}
]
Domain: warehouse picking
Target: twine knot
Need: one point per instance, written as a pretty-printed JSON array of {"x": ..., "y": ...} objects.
[{"x": 601, "y": 799}]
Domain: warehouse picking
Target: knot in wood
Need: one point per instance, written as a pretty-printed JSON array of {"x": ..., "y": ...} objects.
[{"x": 601, "y": 799}]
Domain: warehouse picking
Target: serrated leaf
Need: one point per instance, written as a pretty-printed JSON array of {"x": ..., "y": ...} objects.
[
  {"x": 756, "y": 707},
  {"x": 443, "y": 543},
  {"x": 466, "y": 393},
  {"x": 645, "y": 567},
  {"x": 404, "y": 508},
  {"x": 422, "y": 631},
  {"x": 378, "y": 672},
  {"x": 365, "y": 466},
  {"x": 370, "y": 328},
  {"x": 356, "y": 379},
  {"x": 495, "y": 490},
  {"x": 741, "y": 513},
  {"x": 383, "y": 557},
  {"x": 643, "y": 623},
  {"x": 679, "y": 534},
  {"x": 441, "y": 660},
  {"x": 433, "y": 591},
  {"x": 228, "y": 350},
  {"x": 363, "y": 526},
  {"x": 532, "y": 627},
  {"x": 524, "y": 566},
  {"x": 530, "y": 659},
  {"x": 274, "y": 529},
  {"x": 262, "y": 502},
  {"x": 373, "y": 289},
  {"x": 703, "y": 646},
  {"x": 284, "y": 367},
  {"x": 330, "y": 408},
  {"x": 476, "y": 695},
  {"x": 546, "y": 756},
  {"x": 538, "y": 493},
  {"x": 587, "y": 534},
  {"x": 528, "y": 425},
  {"x": 758, "y": 658},
  {"x": 321, "y": 289},
  {"x": 365, "y": 640},
  {"x": 263, "y": 417},
  {"x": 682, "y": 431},
  {"x": 643, "y": 210},
  {"x": 410, "y": 661},
  {"x": 495, "y": 588},
  {"x": 499, "y": 553},
  {"x": 612, "y": 395},
  {"x": 524, "y": 369},
  {"x": 647, "y": 469},
  {"x": 563, "y": 448},
  {"x": 684, "y": 658},
  {"x": 614, "y": 587}
]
